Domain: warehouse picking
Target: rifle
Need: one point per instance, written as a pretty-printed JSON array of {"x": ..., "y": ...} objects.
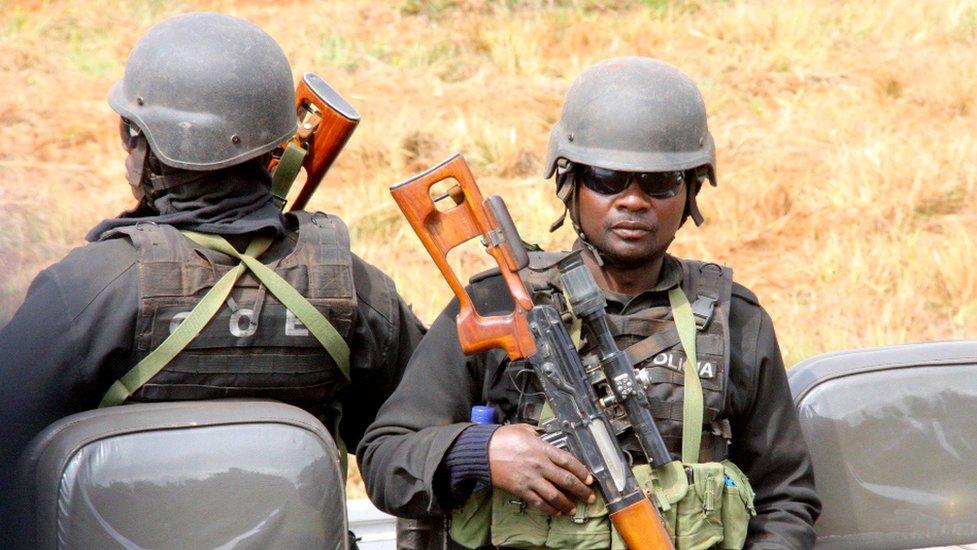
[
  {"x": 326, "y": 121},
  {"x": 536, "y": 333}
]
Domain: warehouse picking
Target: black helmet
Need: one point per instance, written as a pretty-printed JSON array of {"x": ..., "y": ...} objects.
[
  {"x": 208, "y": 91},
  {"x": 634, "y": 114}
]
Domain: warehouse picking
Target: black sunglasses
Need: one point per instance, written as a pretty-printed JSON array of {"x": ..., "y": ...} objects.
[{"x": 660, "y": 185}]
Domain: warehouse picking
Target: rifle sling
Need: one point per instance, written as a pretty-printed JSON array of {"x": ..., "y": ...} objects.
[
  {"x": 188, "y": 329},
  {"x": 692, "y": 400},
  {"x": 285, "y": 173}
]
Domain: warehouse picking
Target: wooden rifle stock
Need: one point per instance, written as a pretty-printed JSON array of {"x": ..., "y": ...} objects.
[
  {"x": 440, "y": 231},
  {"x": 641, "y": 526},
  {"x": 326, "y": 121}
]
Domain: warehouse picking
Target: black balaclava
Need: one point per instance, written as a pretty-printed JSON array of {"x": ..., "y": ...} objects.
[{"x": 232, "y": 201}]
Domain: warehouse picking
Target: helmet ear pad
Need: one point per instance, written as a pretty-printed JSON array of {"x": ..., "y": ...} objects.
[{"x": 695, "y": 179}]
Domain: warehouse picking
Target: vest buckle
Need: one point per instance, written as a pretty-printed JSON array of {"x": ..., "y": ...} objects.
[{"x": 702, "y": 310}]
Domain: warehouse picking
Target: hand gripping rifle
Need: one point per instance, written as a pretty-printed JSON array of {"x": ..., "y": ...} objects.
[
  {"x": 532, "y": 332},
  {"x": 325, "y": 123}
]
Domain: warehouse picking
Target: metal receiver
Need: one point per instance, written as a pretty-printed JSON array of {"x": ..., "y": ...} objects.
[{"x": 588, "y": 304}]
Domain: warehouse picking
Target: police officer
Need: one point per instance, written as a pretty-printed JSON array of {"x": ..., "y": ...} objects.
[
  {"x": 630, "y": 153},
  {"x": 204, "y": 100}
]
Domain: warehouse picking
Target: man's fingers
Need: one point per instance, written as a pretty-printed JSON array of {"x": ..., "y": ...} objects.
[
  {"x": 568, "y": 482},
  {"x": 533, "y": 499},
  {"x": 548, "y": 478},
  {"x": 570, "y": 463},
  {"x": 551, "y": 497}
]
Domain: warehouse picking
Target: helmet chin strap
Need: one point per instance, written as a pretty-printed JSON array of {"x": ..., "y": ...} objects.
[
  {"x": 567, "y": 192},
  {"x": 593, "y": 249},
  {"x": 564, "y": 192},
  {"x": 162, "y": 178},
  {"x": 691, "y": 206},
  {"x": 559, "y": 222}
]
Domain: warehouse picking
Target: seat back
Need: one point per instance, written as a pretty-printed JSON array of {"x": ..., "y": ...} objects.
[
  {"x": 209, "y": 474},
  {"x": 893, "y": 437}
]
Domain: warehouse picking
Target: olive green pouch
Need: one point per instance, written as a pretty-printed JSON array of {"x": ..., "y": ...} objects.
[
  {"x": 469, "y": 525},
  {"x": 668, "y": 486},
  {"x": 588, "y": 529},
  {"x": 516, "y": 524},
  {"x": 698, "y": 516},
  {"x": 737, "y": 506}
]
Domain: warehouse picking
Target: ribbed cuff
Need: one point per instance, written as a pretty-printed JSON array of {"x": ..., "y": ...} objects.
[{"x": 467, "y": 461}]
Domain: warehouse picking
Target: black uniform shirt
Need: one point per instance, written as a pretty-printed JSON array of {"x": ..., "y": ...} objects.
[
  {"x": 401, "y": 455},
  {"x": 73, "y": 337}
]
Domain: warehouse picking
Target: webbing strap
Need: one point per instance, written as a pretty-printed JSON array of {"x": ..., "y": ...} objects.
[
  {"x": 692, "y": 400},
  {"x": 198, "y": 318},
  {"x": 285, "y": 173},
  {"x": 651, "y": 346},
  {"x": 312, "y": 318}
]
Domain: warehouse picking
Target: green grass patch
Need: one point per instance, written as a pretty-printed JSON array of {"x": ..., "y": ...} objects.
[{"x": 337, "y": 51}]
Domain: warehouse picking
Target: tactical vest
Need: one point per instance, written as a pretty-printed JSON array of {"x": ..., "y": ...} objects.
[
  {"x": 652, "y": 342},
  {"x": 650, "y": 337},
  {"x": 253, "y": 346}
]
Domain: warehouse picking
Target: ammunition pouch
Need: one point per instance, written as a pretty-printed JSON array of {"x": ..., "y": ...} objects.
[
  {"x": 705, "y": 506},
  {"x": 713, "y": 512}
]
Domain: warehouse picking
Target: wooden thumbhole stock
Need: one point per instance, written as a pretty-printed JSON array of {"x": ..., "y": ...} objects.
[{"x": 441, "y": 230}]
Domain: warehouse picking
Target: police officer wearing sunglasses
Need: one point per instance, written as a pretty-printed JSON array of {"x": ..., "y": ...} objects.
[{"x": 630, "y": 153}]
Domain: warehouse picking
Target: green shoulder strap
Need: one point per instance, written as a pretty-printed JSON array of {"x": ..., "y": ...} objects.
[
  {"x": 188, "y": 329},
  {"x": 313, "y": 319},
  {"x": 203, "y": 312},
  {"x": 692, "y": 401},
  {"x": 285, "y": 173}
]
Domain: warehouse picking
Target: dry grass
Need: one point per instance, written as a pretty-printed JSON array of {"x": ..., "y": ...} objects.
[{"x": 844, "y": 132}]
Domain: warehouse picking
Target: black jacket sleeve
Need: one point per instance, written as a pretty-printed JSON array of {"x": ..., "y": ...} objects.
[
  {"x": 384, "y": 336},
  {"x": 68, "y": 342},
  {"x": 403, "y": 449},
  {"x": 767, "y": 440}
]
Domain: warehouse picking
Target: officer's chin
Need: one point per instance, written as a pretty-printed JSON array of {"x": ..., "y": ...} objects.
[{"x": 632, "y": 254}]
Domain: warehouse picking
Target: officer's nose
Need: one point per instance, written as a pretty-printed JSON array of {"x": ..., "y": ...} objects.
[{"x": 633, "y": 198}]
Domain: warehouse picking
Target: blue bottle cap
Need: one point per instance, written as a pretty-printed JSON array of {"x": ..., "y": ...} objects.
[{"x": 483, "y": 414}]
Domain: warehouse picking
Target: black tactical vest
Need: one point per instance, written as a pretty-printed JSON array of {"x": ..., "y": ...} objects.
[
  {"x": 254, "y": 346},
  {"x": 651, "y": 339}
]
